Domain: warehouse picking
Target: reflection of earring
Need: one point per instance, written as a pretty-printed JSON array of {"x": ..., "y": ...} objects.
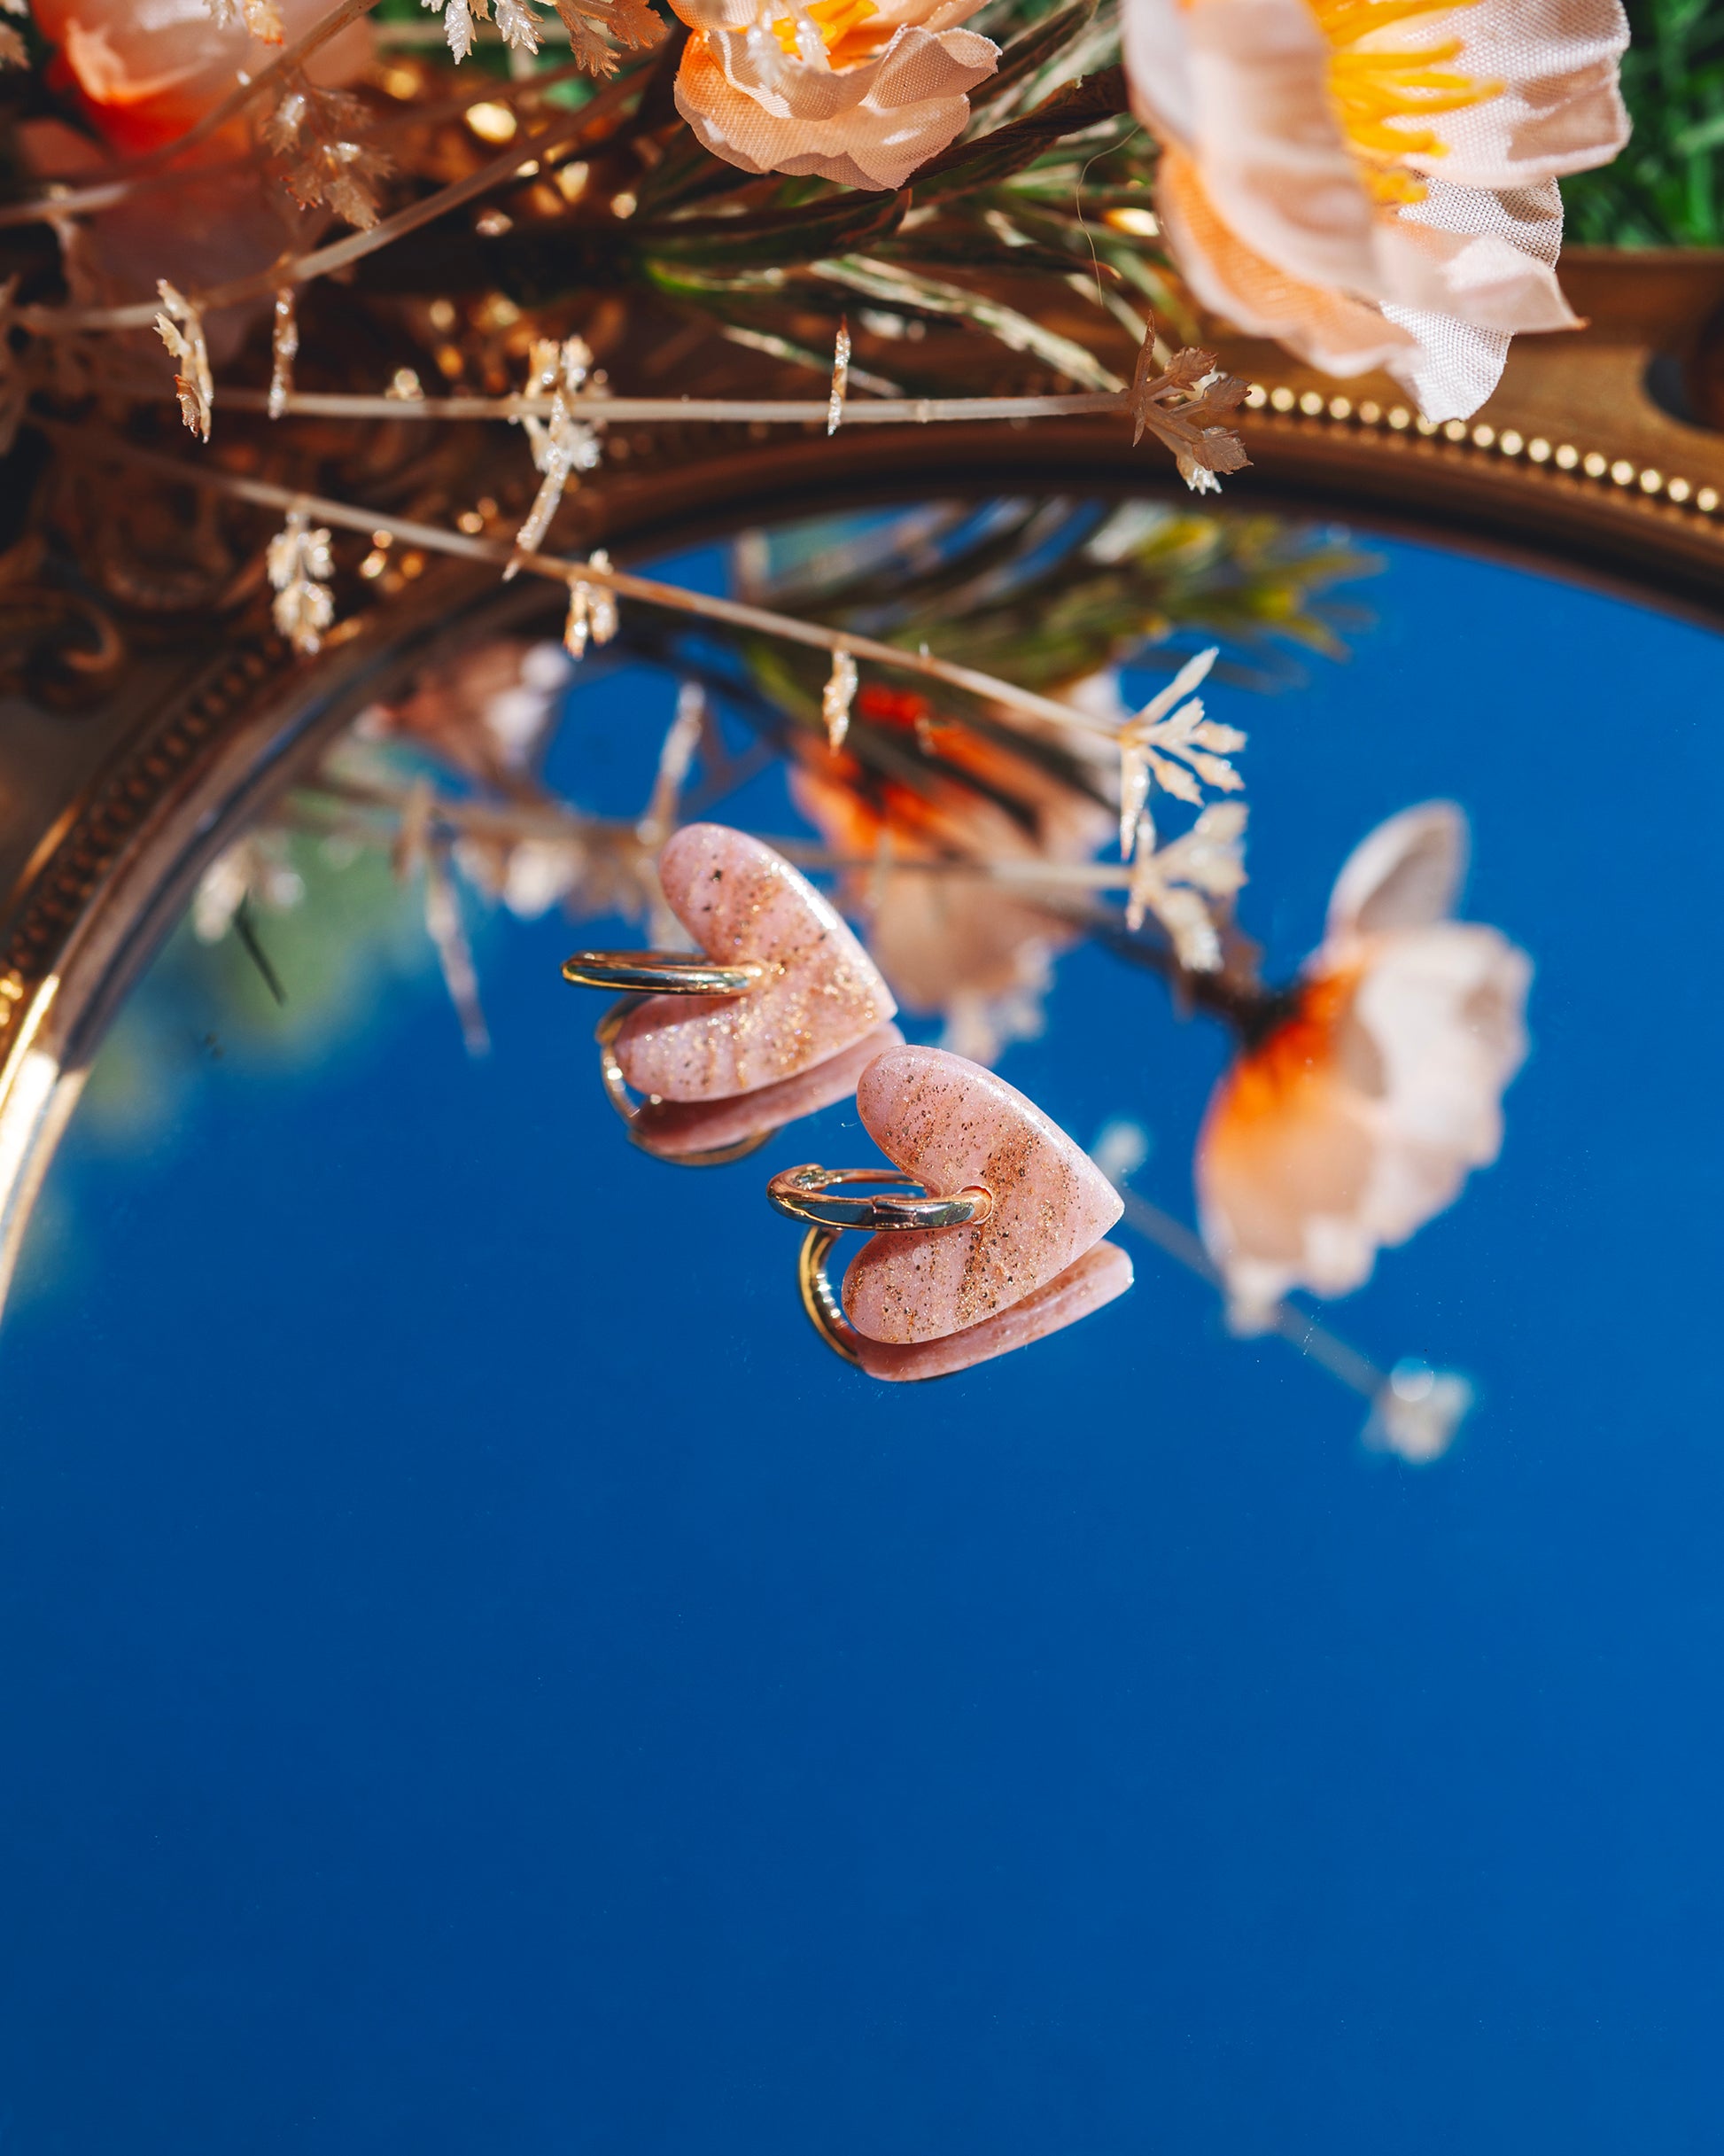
[
  {"x": 1003, "y": 1248},
  {"x": 764, "y": 1023},
  {"x": 707, "y": 1133}
]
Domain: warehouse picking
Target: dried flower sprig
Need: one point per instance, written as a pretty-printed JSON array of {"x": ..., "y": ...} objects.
[
  {"x": 454, "y": 953},
  {"x": 561, "y": 445},
  {"x": 588, "y": 23},
  {"x": 1186, "y": 405},
  {"x": 676, "y": 758},
  {"x": 1175, "y": 883},
  {"x": 837, "y": 697},
  {"x": 319, "y": 137},
  {"x": 180, "y": 326},
  {"x": 834, "y": 407},
  {"x": 300, "y": 564},
  {"x": 421, "y": 845},
  {"x": 1180, "y": 750},
  {"x": 591, "y": 609},
  {"x": 284, "y": 350}
]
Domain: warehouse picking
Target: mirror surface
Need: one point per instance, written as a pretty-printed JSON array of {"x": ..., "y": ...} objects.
[{"x": 477, "y": 1672}]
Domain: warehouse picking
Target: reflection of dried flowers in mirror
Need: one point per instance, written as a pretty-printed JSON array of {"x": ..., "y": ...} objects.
[{"x": 300, "y": 564}]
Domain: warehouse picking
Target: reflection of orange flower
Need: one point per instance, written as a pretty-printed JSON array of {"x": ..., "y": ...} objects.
[
  {"x": 1357, "y": 1119},
  {"x": 950, "y": 944}
]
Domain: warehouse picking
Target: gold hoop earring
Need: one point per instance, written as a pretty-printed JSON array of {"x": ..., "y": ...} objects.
[
  {"x": 806, "y": 1193},
  {"x": 773, "y": 1018},
  {"x": 819, "y": 1297},
  {"x": 647, "y": 1125},
  {"x": 1004, "y": 1213},
  {"x": 659, "y": 973}
]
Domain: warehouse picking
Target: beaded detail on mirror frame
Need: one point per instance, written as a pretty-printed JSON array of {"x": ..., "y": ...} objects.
[{"x": 1590, "y": 466}]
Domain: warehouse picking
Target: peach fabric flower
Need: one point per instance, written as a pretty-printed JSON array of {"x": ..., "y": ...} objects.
[
  {"x": 1374, "y": 181},
  {"x": 1357, "y": 1119},
  {"x": 856, "y": 91}
]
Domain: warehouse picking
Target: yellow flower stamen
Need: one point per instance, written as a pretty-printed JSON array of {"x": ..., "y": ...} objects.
[
  {"x": 837, "y": 22},
  {"x": 1385, "y": 97}
]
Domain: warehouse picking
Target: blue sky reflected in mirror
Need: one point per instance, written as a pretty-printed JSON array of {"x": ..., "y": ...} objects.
[{"x": 480, "y": 1675}]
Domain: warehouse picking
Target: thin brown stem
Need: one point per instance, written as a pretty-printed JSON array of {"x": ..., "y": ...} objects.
[
  {"x": 48, "y": 209},
  {"x": 549, "y": 821},
  {"x": 884, "y": 411},
  {"x": 1312, "y": 1340}
]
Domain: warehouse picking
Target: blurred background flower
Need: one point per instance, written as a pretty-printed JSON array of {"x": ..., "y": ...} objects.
[
  {"x": 1358, "y": 1117},
  {"x": 143, "y": 76}
]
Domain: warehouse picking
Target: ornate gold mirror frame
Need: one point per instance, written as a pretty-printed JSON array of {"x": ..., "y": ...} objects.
[{"x": 110, "y": 813}]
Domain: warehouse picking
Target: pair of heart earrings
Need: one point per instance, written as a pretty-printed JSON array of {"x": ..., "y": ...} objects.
[{"x": 781, "y": 1013}]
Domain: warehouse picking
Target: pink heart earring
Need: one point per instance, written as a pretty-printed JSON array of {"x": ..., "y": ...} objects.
[
  {"x": 775, "y": 1015},
  {"x": 1002, "y": 1248}
]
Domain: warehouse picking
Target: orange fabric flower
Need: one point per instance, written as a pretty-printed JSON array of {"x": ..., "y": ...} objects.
[{"x": 860, "y": 91}]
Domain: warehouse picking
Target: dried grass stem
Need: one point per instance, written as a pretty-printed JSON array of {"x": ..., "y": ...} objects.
[
  {"x": 669, "y": 597},
  {"x": 882, "y": 412}
]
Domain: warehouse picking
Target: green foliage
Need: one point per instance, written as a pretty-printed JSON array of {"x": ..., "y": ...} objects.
[
  {"x": 1045, "y": 593},
  {"x": 1664, "y": 190},
  {"x": 1050, "y": 151}
]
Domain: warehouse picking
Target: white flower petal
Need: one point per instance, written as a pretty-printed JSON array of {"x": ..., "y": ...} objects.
[
  {"x": 1406, "y": 873},
  {"x": 1560, "y": 110}
]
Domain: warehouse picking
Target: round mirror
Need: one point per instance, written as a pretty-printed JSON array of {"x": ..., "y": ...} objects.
[{"x": 484, "y": 1674}]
